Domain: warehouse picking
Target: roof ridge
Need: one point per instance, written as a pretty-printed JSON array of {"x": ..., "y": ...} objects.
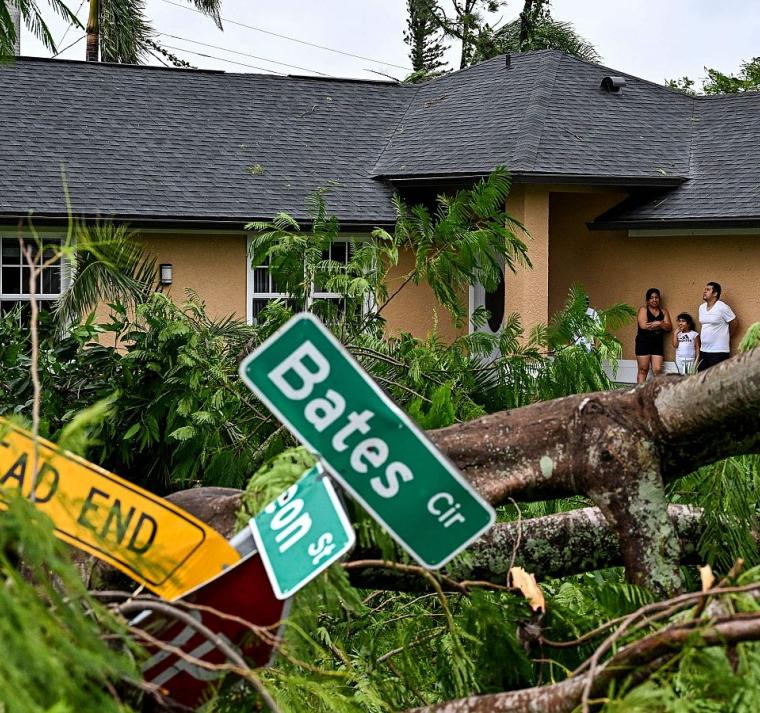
[
  {"x": 597, "y": 65},
  {"x": 727, "y": 95},
  {"x": 535, "y": 113},
  {"x": 458, "y": 72},
  {"x": 120, "y": 65}
]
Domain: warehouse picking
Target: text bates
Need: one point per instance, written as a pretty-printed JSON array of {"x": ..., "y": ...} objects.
[{"x": 325, "y": 398}]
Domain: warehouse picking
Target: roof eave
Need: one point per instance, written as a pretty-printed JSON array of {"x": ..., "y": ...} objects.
[
  {"x": 675, "y": 224},
  {"x": 189, "y": 222},
  {"x": 539, "y": 177}
]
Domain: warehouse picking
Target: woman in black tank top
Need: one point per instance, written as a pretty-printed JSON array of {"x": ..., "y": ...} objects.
[{"x": 653, "y": 321}]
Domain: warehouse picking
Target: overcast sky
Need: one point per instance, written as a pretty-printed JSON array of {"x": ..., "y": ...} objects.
[{"x": 654, "y": 39}]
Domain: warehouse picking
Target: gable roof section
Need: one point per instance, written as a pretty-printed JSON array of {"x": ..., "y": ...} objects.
[
  {"x": 145, "y": 143},
  {"x": 543, "y": 115},
  {"x": 724, "y": 184}
]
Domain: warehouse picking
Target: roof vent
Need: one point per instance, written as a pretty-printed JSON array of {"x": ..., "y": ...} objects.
[
  {"x": 613, "y": 85},
  {"x": 508, "y": 61}
]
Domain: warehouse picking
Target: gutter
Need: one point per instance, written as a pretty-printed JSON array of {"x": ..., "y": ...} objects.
[
  {"x": 538, "y": 177},
  {"x": 11, "y": 221},
  {"x": 698, "y": 226}
]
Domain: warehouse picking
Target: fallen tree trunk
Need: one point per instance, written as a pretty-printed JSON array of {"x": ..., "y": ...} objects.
[
  {"x": 552, "y": 546},
  {"x": 618, "y": 448}
]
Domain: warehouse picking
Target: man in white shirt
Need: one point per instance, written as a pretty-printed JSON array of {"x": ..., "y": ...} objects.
[{"x": 718, "y": 324}]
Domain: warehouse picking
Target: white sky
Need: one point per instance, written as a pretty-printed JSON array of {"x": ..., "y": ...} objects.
[{"x": 654, "y": 39}]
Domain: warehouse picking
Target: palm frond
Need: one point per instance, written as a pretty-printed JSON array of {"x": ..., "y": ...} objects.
[
  {"x": 109, "y": 265},
  {"x": 124, "y": 31}
]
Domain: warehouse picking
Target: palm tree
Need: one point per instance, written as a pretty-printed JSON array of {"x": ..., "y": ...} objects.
[
  {"x": 32, "y": 16},
  {"x": 534, "y": 29},
  {"x": 545, "y": 34},
  {"x": 118, "y": 30}
]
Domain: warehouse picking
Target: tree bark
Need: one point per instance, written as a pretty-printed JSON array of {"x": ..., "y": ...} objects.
[
  {"x": 93, "y": 31},
  {"x": 617, "y": 448}
]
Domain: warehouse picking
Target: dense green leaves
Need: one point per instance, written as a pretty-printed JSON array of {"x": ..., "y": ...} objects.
[{"x": 55, "y": 653}]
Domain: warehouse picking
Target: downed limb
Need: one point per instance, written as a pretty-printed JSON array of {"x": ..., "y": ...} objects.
[
  {"x": 636, "y": 661},
  {"x": 551, "y": 546},
  {"x": 617, "y": 448}
]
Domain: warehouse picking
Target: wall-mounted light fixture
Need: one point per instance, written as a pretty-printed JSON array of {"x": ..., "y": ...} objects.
[{"x": 166, "y": 273}]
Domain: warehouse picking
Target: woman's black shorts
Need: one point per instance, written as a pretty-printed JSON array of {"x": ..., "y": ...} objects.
[{"x": 649, "y": 344}]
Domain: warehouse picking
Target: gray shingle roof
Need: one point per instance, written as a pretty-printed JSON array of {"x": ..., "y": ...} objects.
[
  {"x": 150, "y": 144},
  {"x": 724, "y": 183},
  {"x": 543, "y": 114}
]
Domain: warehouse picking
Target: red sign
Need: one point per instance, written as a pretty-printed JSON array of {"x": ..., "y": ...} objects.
[{"x": 242, "y": 591}]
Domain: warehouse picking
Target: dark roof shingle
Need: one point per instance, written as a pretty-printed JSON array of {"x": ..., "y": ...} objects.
[{"x": 144, "y": 143}]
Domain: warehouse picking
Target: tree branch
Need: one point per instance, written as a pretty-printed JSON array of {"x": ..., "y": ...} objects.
[
  {"x": 641, "y": 658},
  {"x": 552, "y": 546}
]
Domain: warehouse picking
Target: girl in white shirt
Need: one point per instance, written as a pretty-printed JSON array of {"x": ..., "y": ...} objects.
[{"x": 686, "y": 342}]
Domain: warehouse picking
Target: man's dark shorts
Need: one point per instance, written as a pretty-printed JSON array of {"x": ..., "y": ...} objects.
[{"x": 708, "y": 359}]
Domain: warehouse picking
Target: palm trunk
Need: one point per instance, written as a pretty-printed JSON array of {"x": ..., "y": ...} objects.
[{"x": 93, "y": 31}]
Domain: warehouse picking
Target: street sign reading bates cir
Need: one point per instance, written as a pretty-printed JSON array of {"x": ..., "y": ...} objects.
[
  {"x": 302, "y": 533},
  {"x": 308, "y": 380}
]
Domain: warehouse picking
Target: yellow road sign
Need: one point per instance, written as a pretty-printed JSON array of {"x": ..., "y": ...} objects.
[{"x": 150, "y": 539}]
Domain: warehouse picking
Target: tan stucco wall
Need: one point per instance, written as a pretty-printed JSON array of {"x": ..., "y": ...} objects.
[
  {"x": 212, "y": 265},
  {"x": 415, "y": 309},
  {"x": 614, "y": 267},
  {"x": 527, "y": 290},
  {"x": 215, "y": 267}
]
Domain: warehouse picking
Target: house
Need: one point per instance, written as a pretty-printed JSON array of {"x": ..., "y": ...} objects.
[{"x": 623, "y": 184}]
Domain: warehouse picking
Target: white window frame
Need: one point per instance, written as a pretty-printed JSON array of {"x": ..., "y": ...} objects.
[
  {"x": 252, "y": 295},
  {"x": 21, "y": 297}
]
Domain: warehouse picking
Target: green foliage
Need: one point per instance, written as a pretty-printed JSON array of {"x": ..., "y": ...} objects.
[
  {"x": 423, "y": 35},
  {"x": 747, "y": 80},
  {"x": 683, "y": 85},
  {"x": 172, "y": 410},
  {"x": 468, "y": 240},
  {"x": 544, "y": 32},
  {"x": 108, "y": 265},
  {"x": 32, "y": 16},
  {"x": 716, "y": 82},
  {"x": 728, "y": 492},
  {"x": 751, "y": 338},
  {"x": 54, "y": 653}
]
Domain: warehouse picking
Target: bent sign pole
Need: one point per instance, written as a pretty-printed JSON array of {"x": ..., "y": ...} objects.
[
  {"x": 145, "y": 536},
  {"x": 309, "y": 381}
]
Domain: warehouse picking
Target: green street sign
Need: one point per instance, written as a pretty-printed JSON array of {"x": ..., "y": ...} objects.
[
  {"x": 302, "y": 533},
  {"x": 309, "y": 381}
]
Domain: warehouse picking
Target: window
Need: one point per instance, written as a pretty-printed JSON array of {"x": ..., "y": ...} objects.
[
  {"x": 264, "y": 286},
  {"x": 15, "y": 274}
]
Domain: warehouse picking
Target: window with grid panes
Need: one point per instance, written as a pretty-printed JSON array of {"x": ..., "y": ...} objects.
[
  {"x": 15, "y": 274},
  {"x": 266, "y": 288}
]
